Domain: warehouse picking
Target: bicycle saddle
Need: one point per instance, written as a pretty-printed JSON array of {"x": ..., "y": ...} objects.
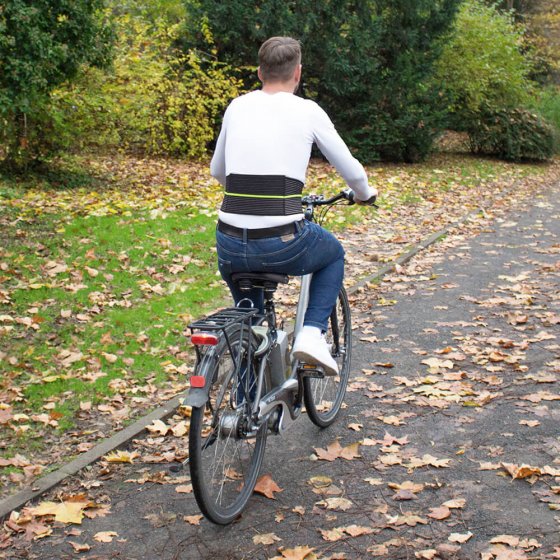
[{"x": 267, "y": 280}]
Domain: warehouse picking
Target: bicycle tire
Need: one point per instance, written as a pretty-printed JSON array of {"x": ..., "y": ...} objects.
[
  {"x": 323, "y": 397},
  {"x": 224, "y": 469}
]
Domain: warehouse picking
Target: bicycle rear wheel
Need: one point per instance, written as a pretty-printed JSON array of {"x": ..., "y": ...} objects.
[
  {"x": 224, "y": 459},
  {"x": 323, "y": 396}
]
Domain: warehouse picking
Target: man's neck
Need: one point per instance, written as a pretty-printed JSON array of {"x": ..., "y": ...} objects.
[{"x": 277, "y": 87}]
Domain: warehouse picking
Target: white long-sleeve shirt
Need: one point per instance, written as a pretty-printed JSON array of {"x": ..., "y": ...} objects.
[{"x": 272, "y": 134}]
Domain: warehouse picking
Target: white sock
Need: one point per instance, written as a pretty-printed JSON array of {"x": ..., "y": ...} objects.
[{"x": 313, "y": 331}]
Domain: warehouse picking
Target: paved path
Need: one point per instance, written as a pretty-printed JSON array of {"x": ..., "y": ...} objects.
[{"x": 484, "y": 306}]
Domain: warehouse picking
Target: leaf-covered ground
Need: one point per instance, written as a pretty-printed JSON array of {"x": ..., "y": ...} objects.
[
  {"x": 104, "y": 261},
  {"x": 447, "y": 449}
]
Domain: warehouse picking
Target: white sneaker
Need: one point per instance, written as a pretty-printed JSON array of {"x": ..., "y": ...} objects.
[{"x": 313, "y": 349}]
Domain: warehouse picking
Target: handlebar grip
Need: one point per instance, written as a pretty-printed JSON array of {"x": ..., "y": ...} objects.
[{"x": 349, "y": 196}]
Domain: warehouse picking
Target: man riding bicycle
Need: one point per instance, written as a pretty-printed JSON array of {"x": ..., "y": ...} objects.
[{"x": 261, "y": 158}]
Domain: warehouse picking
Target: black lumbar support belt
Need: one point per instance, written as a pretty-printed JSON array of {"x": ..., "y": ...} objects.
[{"x": 262, "y": 195}]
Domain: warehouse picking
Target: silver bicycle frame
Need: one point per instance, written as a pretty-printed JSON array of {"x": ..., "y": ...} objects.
[{"x": 302, "y": 302}]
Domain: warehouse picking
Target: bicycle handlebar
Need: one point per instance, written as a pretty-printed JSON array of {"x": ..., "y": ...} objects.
[{"x": 320, "y": 200}]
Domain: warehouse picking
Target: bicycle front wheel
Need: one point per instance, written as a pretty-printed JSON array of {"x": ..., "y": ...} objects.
[
  {"x": 323, "y": 396},
  {"x": 224, "y": 458}
]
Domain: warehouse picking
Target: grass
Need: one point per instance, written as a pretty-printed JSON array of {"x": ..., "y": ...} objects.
[{"x": 111, "y": 272}]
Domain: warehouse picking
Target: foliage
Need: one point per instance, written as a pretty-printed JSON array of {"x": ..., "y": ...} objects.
[
  {"x": 547, "y": 104},
  {"x": 512, "y": 134},
  {"x": 42, "y": 44},
  {"x": 368, "y": 64},
  {"x": 482, "y": 65},
  {"x": 155, "y": 99}
]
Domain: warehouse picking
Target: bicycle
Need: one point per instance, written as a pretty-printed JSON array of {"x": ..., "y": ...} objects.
[{"x": 245, "y": 386}]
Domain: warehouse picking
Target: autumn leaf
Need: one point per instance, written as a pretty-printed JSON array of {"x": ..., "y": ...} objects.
[
  {"x": 439, "y": 513},
  {"x": 357, "y": 530},
  {"x": 158, "y": 427},
  {"x": 65, "y": 512},
  {"x": 335, "y": 451},
  {"x": 192, "y": 519},
  {"x": 266, "y": 539},
  {"x": 460, "y": 538},
  {"x": 428, "y": 554},
  {"x": 406, "y": 485},
  {"x": 342, "y": 504},
  {"x": 105, "y": 536},
  {"x": 121, "y": 456},
  {"x": 521, "y": 471},
  {"x": 338, "y": 533},
  {"x": 455, "y": 504},
  {"x": 267, "y": 487},
  {"x": 79, "y": 547},
  {"x": 505, "y": 539},
  {"x": 297, "y": 553},
  {"x": 406, "y": 518}
]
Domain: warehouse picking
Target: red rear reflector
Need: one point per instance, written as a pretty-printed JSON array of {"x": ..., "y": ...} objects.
[
  {"x": 204, "y": 339},
  {"x": 197, "y": 381}
]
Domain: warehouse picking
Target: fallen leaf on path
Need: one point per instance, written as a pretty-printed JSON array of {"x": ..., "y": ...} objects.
[
  {"x": 121, "y": 456},
  {"x": 161, "y": 519},
  {"x": 407, "y": 518},
  {"x": 455, "y": 504},
  {"x": 105, "y": 536},
  {"x": 192, "y": 519},
  {"x": 342, "y": 504},
  {"x": 335, "y": 451},
  {"x": 266, "y": 538},
  {"x": 65, "y": 512},
  {"x": 297, "y": 553},
  {"x": 521, "y": 471},
  {"x": 428, "y": 554},
  {"x": 460, "y": 537},
  {"x": 338, "y": 533},
  {"x": 406, "y": 485},
  {"x": 79, "y": 547},
  {"x": 267, "y": 487},
  {"x": 439, "y": 513},
  {"x": 505, "y": 539},
  {"x": 158, "y": 427}
]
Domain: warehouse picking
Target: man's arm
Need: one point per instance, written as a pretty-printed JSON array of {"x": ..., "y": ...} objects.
[
  {"x": 338, "y": 154},
  {"x": 218, "y": 163}
]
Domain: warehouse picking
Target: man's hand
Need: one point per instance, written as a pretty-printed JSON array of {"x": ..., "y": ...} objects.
[{"x": 369, "y": 202}]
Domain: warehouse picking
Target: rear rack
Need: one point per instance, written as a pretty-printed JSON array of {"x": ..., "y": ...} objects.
[
  {"x": 220, "y": 321},
  {"x": 223, "y": 318}
]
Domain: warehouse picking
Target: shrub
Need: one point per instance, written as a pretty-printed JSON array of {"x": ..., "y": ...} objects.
[
  {"x": 512, "y": 134},
  {"x": 43, "y": 44},
  {"x": 156, "y": 99},
  {"x": 369, "y": 64},
  {"x": 482, "y": 66},
  {"x": 547, "y": 104}
]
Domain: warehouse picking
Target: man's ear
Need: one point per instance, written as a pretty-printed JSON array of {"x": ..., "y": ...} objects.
[
  {"x": 259, "y": 74},
  {"x": 297, "y": 74}
]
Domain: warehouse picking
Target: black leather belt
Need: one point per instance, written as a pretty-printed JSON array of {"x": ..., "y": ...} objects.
[{"x": 260, "y": 233}]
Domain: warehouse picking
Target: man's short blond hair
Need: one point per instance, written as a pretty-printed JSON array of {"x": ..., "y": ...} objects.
[{"x": 278, "y": 58}]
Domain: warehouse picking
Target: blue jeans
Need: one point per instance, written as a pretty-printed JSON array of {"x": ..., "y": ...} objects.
[{"x": 311, "y": 249}]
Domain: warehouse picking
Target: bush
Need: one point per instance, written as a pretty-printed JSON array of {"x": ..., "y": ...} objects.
[
  {"x": 156, "y": 99},
  {"x": 43, "y": 44},
  {"x": 547, "y": 104},
  {"x": 482, "y": 66},
  {"x": 512, "y": 134},
  {"x": 368, "y": 64}
]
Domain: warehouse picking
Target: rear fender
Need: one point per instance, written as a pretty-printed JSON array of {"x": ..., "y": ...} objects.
[{"x": 197, "y": 397}]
